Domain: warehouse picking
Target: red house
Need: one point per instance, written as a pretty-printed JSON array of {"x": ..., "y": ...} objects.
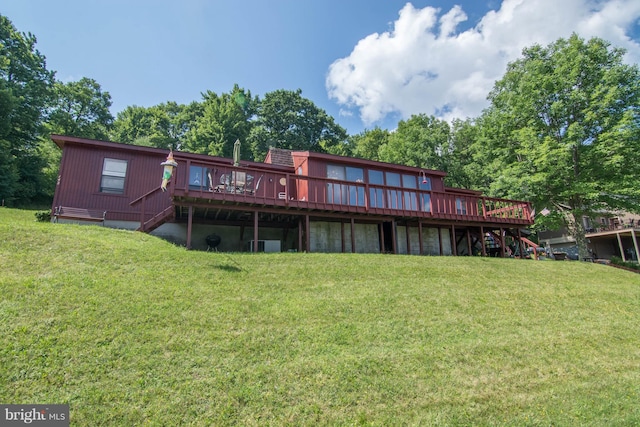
[{"x": 294, "y": 201}]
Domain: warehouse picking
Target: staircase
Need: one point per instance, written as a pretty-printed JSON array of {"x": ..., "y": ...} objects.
[{"x": 158, "y": 219}]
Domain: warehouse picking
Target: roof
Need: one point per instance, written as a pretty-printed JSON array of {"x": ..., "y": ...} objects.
[
  {"x": 279, "y": 156},
  {"x": 62, "y": 140}
]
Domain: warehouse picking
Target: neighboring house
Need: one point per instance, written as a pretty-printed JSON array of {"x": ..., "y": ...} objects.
[
  {"x": 293, "y": 201},
  {"x": 608, "y": 235}
]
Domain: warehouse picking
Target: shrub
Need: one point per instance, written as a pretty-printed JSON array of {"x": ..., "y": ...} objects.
[
  {"x": 618, "y": 261},
  {"x": 43, "y": 216}
]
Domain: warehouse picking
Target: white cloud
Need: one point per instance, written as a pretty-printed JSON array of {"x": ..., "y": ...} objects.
[{"x": 425, "y": 65}]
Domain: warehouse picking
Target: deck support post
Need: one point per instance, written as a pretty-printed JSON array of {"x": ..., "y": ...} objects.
[
  {"x": 520, "y": 244},
  {"x": 440, "y": 240},
  {"x": 342, "y": 236},
  {"x": 189, "y": 226},
  {"x": 624, "y": 258},
  {"x": 420, "y": 237},
  {"x": 307, "y": 228},
  {"x": 381, "y": 234},
  {"x": 255, "y": 231},
  {"x": 406, "y": 232},
  {"x": 454, "y": 245},
  {"x": 393, "y": 237},
  {"x": 469, "y": 242},
  {"x": 635, "y": 244},
  {"x": 503, "y": 249},
  {"x": 484, "y": 247},
  {"x": 300, "y": 234},
  {"x": 353, "y": 235}
]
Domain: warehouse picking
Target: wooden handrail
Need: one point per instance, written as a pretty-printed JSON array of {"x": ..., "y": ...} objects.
[
  {"x": 335, "y": 194},
  {"x": 144, "y": 196}
]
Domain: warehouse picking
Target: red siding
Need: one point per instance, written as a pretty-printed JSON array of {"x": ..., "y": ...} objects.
[
  {"x": 279, "y": 187},
  {"x": 80, "y": 176}
]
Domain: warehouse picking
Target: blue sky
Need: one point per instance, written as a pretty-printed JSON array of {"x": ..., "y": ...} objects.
[{"x": 367, "y": 63}]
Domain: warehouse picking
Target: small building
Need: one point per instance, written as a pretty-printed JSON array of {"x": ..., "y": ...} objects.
[{"x": 293, "y": 201}]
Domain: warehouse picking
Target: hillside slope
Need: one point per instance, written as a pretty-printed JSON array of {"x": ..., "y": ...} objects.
[{"x": 129, "y": 329}]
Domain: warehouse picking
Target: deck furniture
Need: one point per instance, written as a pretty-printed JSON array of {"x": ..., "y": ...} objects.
[{"x": 67, "y": 212}]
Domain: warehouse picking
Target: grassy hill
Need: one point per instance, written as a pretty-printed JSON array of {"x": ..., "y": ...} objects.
[{"x": 131, "y": 330}]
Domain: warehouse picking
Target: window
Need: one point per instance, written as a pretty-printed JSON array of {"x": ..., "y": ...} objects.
[
  {"x": 424, "y": 184},
  {"x": 356, "y": 192},
  {"x": 200, "y": 178},
  {"x": 425, "y": 202},
  {"x": 335, "y": 191},
  {"x": 376, "y": 194},
  {"x": 340, "y": 193},
  {"x": 461, "y": 206},
  {"x": 409, "y": 181},
  {"x": 410, "y": 199},
  {"x": 393, "y": 196},
  {"x": 113, "y": 174}
]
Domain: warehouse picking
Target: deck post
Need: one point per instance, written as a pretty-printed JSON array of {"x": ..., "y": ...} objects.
[
  {"x": 484, "y": 248},
  {"x": 469, "y": 242},
  {"x": 394, "y": 238},
  {"x": 142, "y": 214},
  {"x": 353, "y": 235},
  {"x": 189, "y": 226},
  {"x": 381, "y": 234},
  {"x": 635, "y": 244},
  {"x": 503, "y": 243},
  {"x": 255, "y": 231},
  {"x": 342, "y": 236},
  {"x": 420, "y": 237},
  {"x": 307, "y": 228},
  {"x": 624, "y": 258},
  {"x": 440, "y": 240},
  {"x": 454, "y": 245},
  {"x": 406, "y": 232},
  {"x": 300, "y": 234},
  {"x": 520, "y": 244}
]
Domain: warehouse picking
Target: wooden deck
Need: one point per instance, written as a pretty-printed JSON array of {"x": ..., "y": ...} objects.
[{"x": 255, "y": 189}]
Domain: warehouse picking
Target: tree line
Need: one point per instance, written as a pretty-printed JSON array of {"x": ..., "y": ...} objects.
[{"x": 562, "y": 129}]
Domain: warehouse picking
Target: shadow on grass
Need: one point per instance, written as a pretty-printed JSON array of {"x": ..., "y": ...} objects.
[{"x": 229, "y": 268}]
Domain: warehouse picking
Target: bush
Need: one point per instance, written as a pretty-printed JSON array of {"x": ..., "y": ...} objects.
[
  {"x": 618, "y": 261},
  {"x": 43, "y": 216}
]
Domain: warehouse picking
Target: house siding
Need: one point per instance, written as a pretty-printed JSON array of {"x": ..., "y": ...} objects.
[
  {"x": 79, "y": 182},
  {"x": 280, "y": 199}
]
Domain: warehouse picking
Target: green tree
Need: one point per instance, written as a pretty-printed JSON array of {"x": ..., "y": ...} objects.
[
  {"x": 465, "y": 161},
  {"x": 367, "y": 144},
  {"x": 421, "y": 141},
  {"x": 565, "y": 131},
  {"x": 287, "y": 120},
  {"x": 81, "y": 109},
  {"x": 161, "y": 126},
  {"x": 25, "y": 92},
  {"x": 223, "y": 119}
]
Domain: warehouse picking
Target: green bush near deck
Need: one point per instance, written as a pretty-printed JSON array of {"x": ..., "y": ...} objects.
[{"x": 131, "y": 330}]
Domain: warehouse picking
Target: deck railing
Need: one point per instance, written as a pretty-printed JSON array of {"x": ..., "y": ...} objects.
[{"x": 259, "y": 187}]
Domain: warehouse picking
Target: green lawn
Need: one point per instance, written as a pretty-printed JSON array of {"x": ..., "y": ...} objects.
[{"x": 132, "y": 330}]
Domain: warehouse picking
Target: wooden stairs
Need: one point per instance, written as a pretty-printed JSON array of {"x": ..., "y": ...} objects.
[{"x": 168, "y": 214}]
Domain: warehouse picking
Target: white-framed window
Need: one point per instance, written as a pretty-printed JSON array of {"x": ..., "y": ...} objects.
[{"x": 114, "y": 172}]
